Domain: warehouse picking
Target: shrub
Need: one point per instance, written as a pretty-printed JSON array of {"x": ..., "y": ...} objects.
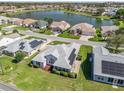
[
  {"x": 72, "y": 75},
  {"x": 64, "y": 73},
  {"x": 19, "y": 56},
  {"x": 35, "y": 66},
  {"x": 57, "y": 72},
  {"x": 79, "y": 57}
]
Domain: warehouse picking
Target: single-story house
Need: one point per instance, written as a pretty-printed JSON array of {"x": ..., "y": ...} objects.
[
  {"x": 107, "y": 30},
  {"x": 59, "y": 26},
  {"x": 108, "y": 67},
  {"x": 6, "y": 41},
  {"x": 17, "y": 21},
  {"x": 83, "y": 29},
  {"x": 41, "y": 24},
  {"x": 4, "y": 20},
  {"x": 28, "y": 22},
  {"x": 28, "y": 47},
  {"x": 60, "y": 57}
]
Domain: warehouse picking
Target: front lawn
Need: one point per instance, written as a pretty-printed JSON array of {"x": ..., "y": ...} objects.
[
  {"x": 45, "y": 31},
  {"x": 29, "y": 78},
  {"x": 32, "y": 37},
  {"x": 21, "y": 28},
  {"x": 68, "y": 35},
  {"x": 58, "y": 42}
]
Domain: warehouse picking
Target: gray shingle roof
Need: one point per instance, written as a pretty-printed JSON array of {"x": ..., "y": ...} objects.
[
  {"x": 61, "y": 52},
  {"x": 21, "y": 44},
  {"x": 101, "y": 54}
]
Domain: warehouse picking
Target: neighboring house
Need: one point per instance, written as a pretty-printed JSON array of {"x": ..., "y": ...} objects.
[
  {"x": 60, "y": 57},
  {"x": 28, "y": 47},
  {"x": 28, "y": 22},
  {"x": 5, "y": 41},
  {"x": 18, "y": 21},
  {"x": 83, "y": 29},
  {"x": 107, "y": 30},
  {"x": 108, "y": 67},
  {"x": 59, "y": 26},
  {"x": 4, "y": 20},
  {"x": 41, "y": 24}
]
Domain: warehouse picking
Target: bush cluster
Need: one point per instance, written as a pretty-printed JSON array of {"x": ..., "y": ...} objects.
[{"x": 63, "y": 73}]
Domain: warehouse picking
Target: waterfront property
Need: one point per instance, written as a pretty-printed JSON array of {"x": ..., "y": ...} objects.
[
  {"x": 59, "y": 26},
  {"x": 108, "y": 67},
  {"x": 28, "y": 22},
  {"x": 28, "y": 47},
  {"x": 4, "y": 20},
  {"x": 107, "y": 30},
  {"x": 40, "y": 24},
  {"x": 59, "y": 57},
  {"x": 83, "y": 29}
]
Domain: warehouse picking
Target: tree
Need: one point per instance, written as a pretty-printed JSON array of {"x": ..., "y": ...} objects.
[
  {"x": 19, "y": 56},
  {"x": 115, "y": 41},
  {"x": 100, "y": 11},
  {"x": 49, "y": 20},
  {"x": 120, "y": 13}
]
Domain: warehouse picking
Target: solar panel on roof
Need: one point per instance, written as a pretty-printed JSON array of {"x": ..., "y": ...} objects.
[
  {"x": 35, "y": 43},
  {"x": 22, "y": 45},
  {"x": 50, "y": 59},
  {"x": 72, "y": 56},
  {"x": 112, "y": 68}
]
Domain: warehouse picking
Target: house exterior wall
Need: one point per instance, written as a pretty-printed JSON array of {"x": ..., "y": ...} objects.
[
  {"x": 40, "y": 64},
  {"x": 105, "y": 79}
]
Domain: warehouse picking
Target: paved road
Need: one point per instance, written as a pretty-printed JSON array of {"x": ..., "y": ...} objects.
[
  {"x": 62, "y": 39},
  {"x": 6, "y": 87}
]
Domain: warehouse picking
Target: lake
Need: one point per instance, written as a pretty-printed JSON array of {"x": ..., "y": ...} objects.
[{"x": 69, "y": 17}]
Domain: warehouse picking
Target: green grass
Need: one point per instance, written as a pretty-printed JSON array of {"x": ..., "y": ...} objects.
[
  {"x": 121, "y": 24},
  {"x": 97, "y": 39},
  {"x": 28, "y": 78},
  {"x": 58, "y": 42},
  {"x": 68, "y": 35},
  {"x": 4, "y": 25},
  {"x": 45, "y": 31},
  {"x": 21, "y": 28},
  {"x": 32, "y": 37}
]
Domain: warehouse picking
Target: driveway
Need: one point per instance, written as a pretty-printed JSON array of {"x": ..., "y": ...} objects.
[{"x": 85, "y": 38}]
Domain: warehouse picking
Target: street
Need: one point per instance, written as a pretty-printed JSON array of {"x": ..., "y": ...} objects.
[{"x": 54, "y": 38}]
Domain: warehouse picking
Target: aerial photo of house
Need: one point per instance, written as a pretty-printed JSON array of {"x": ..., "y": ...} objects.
[{"x": 61, "y": 46}]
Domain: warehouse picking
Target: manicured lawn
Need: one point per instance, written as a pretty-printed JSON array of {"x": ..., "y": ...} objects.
[
  {"x": 97, "y": 39},
  {"x": 28, "y": 78},
  {"x": 32, "y": 37},
  {"x": 58, "y": 42},
  {"x": 46, "y": 31},
  {"x": 21, "y": 28},
  {"x": 68, "y": 35}
]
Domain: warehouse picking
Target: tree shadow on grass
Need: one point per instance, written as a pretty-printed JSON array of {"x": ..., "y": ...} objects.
[{"x": 86, "y": 67}]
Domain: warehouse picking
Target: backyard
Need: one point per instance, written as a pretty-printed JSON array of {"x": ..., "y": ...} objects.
[{"x": 29, "y": 78}]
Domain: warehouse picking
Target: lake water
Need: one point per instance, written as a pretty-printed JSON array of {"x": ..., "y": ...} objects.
[{"x": 69, "y": 17}]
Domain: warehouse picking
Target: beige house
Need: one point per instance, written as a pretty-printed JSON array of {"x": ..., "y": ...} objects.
[
  {"x": 107, "y": 30},
  {"x": 28, "y": 22},
  {"x": 83, "y": 29},
  {"x": 59, "y": 26}
]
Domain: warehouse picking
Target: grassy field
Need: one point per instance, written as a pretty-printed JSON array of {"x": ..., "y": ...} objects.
[
  {"x": 28, "y": 78},
  {"x": 58, "y": 42},
  {"x": 68, "y": 35}
]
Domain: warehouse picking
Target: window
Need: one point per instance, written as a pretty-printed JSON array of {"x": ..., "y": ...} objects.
[
  {"x": 110, "y": 80},
  {"x": 100, "y": 78},
  {"x": 120, "y": 81}
]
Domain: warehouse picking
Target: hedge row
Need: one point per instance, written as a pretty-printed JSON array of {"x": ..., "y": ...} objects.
[{"x": 63, "y": 73}]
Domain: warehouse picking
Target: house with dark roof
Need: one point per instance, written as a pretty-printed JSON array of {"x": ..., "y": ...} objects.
[
  {"x": 60, "y": 57},
  {"x": 108, "y": 67},
  {"x": 28, "y": 47},
  {"x": 83, "y": 29}
]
